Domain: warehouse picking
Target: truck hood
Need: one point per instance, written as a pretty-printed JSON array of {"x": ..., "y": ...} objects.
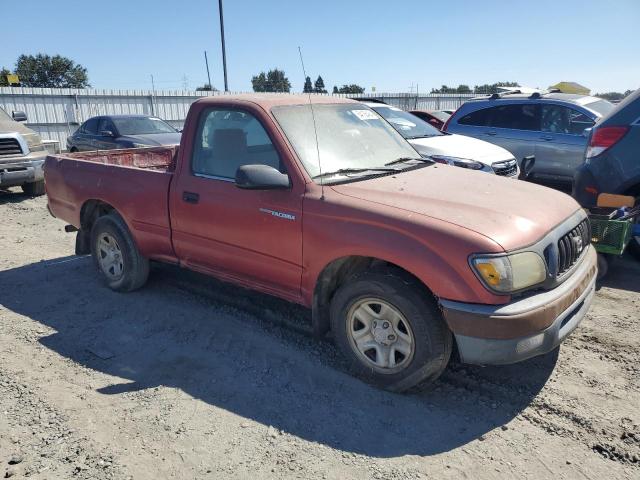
[
  {"x": 461, "y": 146},
  {"x": 512, "y": 213},
  {"x": 154, "y": 139}
]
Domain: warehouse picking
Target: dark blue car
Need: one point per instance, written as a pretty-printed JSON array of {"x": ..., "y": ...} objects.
[
  {"x": 612, "y": 163},
  {"x": 122, "y": 131}
]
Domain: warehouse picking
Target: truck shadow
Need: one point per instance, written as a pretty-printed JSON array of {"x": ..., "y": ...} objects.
[
  {"x": 229, "y": 348},
  {"x": 623, "y": 274},
  {"x": 12, "y": 196}
]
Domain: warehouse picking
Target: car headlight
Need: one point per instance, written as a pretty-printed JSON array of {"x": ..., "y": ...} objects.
[
  {"x": 458, "y": 162},
  {"x": 34, "y": 142},
  {"x": 140, "y": 145},
  {"x": 510, "y": 273}
]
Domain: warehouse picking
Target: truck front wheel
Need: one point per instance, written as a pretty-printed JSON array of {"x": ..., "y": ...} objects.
[
  {"x": 116, "y": 255},
  {"x": 34, "y": 189},
  {"x": 391, "y": 330}
]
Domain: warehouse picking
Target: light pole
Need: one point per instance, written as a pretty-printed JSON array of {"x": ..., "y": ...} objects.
[{"x": 224, "y": 53}]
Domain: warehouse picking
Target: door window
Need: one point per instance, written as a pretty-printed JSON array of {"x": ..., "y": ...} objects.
[
  {"x": 106, "y": 124},
  {"x": 228, "y": 139},
  {"x": 565, "y": 120},
  {"x": 479, "y": 118},
  {"x": 519, "y": 116},
  {"x": 90, "y": 127}
]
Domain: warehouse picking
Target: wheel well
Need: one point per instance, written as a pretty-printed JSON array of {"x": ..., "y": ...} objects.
[
  {"x": 89, "y": 213},
  {"x": 336, "y": 274},
  {"x": 634, "y": 191}
]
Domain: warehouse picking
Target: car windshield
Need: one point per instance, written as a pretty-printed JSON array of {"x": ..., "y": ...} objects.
[
  {"x": 141, "y": 125},
  {"x": 350, "y": 137},
  {"x": 407, "y": 124},
  {"x": 600, "y": 106}
]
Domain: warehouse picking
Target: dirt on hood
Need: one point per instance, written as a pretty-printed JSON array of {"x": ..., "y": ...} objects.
[{"x": 511, "y": 212}]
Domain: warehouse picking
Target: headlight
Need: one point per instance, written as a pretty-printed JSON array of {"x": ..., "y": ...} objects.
[
  {"x": 458, "y": 162},
  {"x": 34, "y": 142},
  {"x": 510, "y": 273},
  {"x": 140, "y": 145}
]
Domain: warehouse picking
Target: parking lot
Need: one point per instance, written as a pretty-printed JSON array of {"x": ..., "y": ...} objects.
[{"x": 192, "y": 378}]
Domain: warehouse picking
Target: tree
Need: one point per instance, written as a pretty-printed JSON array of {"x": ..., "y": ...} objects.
[
  {"x": 54, "y": 72},
  {"x": 353, "y": 88},
  {"x": 613, "y": 96},
  {"x": 274, "y": 81},
  {"x": 308, "y": 87},
  {"x": 3, "y": 77},
  {"x": 335, "y": 89},
  {"x": 206, "y": 88},
  {"x": 319, "y": 85},
  {"x": 493, "y": 88}
]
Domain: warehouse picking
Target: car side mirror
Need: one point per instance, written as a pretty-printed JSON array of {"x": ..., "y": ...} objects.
[
  {"x": 261, "y": 177},
  {"x": 586, "y": 132},
  {"x": 106, "y": 133},
  {"x": 526, "y": 166},
  {"x": 19, "y": 116}
]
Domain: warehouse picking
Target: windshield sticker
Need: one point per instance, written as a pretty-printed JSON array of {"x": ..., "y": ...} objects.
[{"x": 365, "y": 114}]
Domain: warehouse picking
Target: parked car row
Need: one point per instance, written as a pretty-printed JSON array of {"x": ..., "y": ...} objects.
[{"x": 400, "y": 257}]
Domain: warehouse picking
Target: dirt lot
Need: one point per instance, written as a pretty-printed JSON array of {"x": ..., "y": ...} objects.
[{"x": 190, "y": 378}]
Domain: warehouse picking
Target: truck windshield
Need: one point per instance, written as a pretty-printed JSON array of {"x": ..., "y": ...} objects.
[
  {"x": 407, "y": 124},
  {"x": 141, "y": 125},
  {"x": 350, "y": 137}
]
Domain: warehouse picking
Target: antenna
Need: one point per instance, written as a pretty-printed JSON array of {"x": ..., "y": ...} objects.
[{"x": 315, "y": 130}]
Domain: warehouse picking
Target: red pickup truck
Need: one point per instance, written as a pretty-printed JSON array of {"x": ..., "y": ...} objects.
[{"x": 324, "y": 204}]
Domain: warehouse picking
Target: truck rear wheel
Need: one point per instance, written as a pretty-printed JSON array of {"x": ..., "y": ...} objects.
[
  {"x": 116, "y": 255},
  {"x": 34, "y": 189},
  {"x": 391, "y": 330}
]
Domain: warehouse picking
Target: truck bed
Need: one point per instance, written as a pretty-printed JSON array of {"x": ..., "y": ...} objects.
[
  {"x": 153, "y": 158},
  {"x": 133, "y": 181}
]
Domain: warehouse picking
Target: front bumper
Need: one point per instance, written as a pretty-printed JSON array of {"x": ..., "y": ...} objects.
[
  {"x": 524, "y": 328},
  {"x": 20, "y": 170}
]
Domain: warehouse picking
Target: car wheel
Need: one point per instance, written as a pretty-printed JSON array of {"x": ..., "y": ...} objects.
[
  {"x": 34, "y": 189},
  {"x": 116, "y": 255},
  {"x": 390, "y": 330},
  {"x": 603, "y": 265},
  {"x": 73, "y": 150}
]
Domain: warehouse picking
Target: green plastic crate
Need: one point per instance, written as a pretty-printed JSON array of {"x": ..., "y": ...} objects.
[{"x": 610, "y": 236}]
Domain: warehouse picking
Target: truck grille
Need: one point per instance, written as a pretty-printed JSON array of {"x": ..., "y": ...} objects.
[
  {"x": 506, "y": 169},
  {"x": 9, "y": 146},
  {"x": 571, "y": 246}
]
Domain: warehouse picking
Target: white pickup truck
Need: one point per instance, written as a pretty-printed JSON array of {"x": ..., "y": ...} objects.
[{"x": 22, "y": 155}]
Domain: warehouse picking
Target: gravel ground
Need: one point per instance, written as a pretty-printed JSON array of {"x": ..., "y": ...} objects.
[{"x": 191, "y": 378}]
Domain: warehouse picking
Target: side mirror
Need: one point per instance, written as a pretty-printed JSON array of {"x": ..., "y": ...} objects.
[
  {"x": 107, "y": 133},
  {"x": 261, "y": 177},
  {"x": 527, "y": 166},
  {"x": 586, "y": 132},
  {"x": 19, "y": 116}
]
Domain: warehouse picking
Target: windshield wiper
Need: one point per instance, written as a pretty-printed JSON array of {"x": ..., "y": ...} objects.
[
  {"x": 346, "y": 171},
  {"x": 409, "y": 159}
]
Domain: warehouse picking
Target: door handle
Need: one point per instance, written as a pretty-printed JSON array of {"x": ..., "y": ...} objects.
[
  {"x": 547, "y": 138},
  {"x": 190, "y": 197},
  {"x": 491, "y": 132}
]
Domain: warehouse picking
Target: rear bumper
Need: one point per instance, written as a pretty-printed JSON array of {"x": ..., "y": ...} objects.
[
  {"x": 21, "y": 170},
  {"x": 585, "y": 187},
  {"x": 525, "y": 328}
]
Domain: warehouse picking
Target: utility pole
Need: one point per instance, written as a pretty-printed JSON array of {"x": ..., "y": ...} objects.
[
  {"x": 224, "y": 52},
  {"x": 153, "y": 94},
  {"x": 206, "y": 61}
]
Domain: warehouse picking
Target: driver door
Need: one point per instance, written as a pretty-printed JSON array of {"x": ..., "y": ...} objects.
[{"x": 251, "y": 237}]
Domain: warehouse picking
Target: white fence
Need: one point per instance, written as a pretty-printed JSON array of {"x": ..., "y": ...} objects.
[{"x": 56, "y": 113}]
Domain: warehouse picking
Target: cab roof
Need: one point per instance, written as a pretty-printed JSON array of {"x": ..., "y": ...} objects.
[{"x": 269, "y": 100}]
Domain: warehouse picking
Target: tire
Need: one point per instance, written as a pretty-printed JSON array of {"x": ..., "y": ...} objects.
[
  {"x": 34, "y": 189},
  {"x": 116, "y": 255},
  {"x": 603, "y": 265},
  {"x": 73, "y": 150},
  {"x": 419, "y": 323}
]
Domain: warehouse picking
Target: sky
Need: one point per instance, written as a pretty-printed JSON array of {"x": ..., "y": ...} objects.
[{"x": 394, "y": 46}]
